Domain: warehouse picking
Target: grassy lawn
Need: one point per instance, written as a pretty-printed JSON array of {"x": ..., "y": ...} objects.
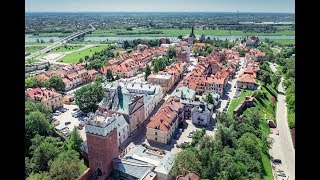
[
  {"x": 67, "y": 48},
  {"x": 284, "y": 41},
  {"x": 31, "y": 49},
  {"x": 266, "y": 167},
  {"x": 265, "y": 104},
  {"x": 183, "y": 32},
  {"x": 236, "y": 101},
  {"x": 74, "y": 57}
]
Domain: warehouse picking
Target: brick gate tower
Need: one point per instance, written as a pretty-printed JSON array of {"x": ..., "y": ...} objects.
[{"x": 102, "y": 143}]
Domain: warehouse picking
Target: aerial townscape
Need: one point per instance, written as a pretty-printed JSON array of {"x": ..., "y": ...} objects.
[{"x": 159, "y": 96}]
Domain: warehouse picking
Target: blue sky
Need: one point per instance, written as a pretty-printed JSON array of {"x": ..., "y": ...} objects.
[{"x": 285, "y": 6}]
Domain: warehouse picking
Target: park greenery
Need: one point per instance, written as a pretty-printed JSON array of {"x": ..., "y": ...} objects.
[
  {"x": 88, "y": 97},
  {"x": 74, "y": 57},
  {"x": 66, "y": 48},
  {"x": 98, "y": 59},
  {"x": 237, "y": 152},
  {"x": 48, "y": 157}
]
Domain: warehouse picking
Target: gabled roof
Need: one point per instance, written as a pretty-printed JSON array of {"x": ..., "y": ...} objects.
[{"x": 247, "y": 78}]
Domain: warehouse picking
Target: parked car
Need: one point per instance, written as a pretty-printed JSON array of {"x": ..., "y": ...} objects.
[
  {"x": 277, "y": 161},
  {"x": 53, "y": 119},
  {"x": 282, "y": 174},
  {"x": 67, "y": 123},
  {"x": 191, "y": 135},
  {"x": 56, "y": 114},
  {"x": 56, "y": 123},
  {"x": 74, "y": 109}
]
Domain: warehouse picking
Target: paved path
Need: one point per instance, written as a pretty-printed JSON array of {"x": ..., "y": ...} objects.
[{"x": 282, "y": 147}]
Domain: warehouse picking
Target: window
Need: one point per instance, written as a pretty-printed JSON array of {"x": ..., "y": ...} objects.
[
  {"x": 155, "y": 133},
  {"x": 156, "y": 139}
]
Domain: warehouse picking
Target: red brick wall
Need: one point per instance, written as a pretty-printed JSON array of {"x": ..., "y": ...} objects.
[
  {"x": 101, "y": 151},
  {"x": 86, "y": 175}
]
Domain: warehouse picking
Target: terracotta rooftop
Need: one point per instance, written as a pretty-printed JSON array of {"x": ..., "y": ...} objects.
[
  {"x": 189, "y": 176},
  {"x": 247, "y": 78},
  {"x": 41, "y": 94}
]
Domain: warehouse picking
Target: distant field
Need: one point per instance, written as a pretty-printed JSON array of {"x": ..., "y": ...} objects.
[
  {"x": 35, "y": 43},
  {"x": 169, "y": 32},
  {"x": 183, "y": 32},
  {"x": 74, "y": 57},
  {"x": 284, "y": 41},
  {"x": 67, "y": 48},
  {"x": 49, "y": 34},
  {"x": 31, "y": 49}
]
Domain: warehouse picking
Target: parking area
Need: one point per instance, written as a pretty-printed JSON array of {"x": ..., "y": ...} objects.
[{"x": 67, "y": 117}]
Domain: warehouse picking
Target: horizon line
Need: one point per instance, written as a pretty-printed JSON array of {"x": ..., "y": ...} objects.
[{"x": 155, "y": 12}]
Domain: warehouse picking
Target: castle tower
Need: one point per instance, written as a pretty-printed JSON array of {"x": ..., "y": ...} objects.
[{"x": 102, "y": 143}]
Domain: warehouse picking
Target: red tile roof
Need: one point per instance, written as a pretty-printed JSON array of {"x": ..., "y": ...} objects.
[
  {"x": 189, "y": 176},
  {"x": 41, "y": 94},
  {"x": 247, "y": 78}
]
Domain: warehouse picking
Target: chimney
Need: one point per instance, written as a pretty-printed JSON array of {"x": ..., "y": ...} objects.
[{"x": 161, "y": 120}]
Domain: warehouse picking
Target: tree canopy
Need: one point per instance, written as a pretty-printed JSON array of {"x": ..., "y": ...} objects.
[
  {"x": 88, "y": 97},
  {"x": 66, "y": 166},
  {"x": 56, "y": 83},
  {"x": 147, "y": 72}
]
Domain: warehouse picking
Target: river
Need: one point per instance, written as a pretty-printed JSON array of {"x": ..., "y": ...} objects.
[{"x": 46, "y": 39}]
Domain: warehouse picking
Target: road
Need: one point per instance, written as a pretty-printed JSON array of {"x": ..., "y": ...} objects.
[
  {"x": 282, "y": 148},
  {"x": 57, "y": 43}
]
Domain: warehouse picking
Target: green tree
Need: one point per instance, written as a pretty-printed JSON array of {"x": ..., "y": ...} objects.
[
  {"x": 172, "y": 52},
  {"x": 250, "y": 143},
  {"x": 209, "y": 98},
  {"x": 186, "y": 161},
  {"x": 36, "y": 123},
  {"x": 66, "y": 166},
  {"x": 99, "y": 79},
  {"x": 126, "y": 44},
  {"x": 180, "y": 36},
  {"x": 38, "y": 176},
  {"x": 38, "y": 41},
  {"x": 75, "y": 140},
  {"x": 56, "y": 83},
  {"x": 81, "y": 60},
  {"x": 32, "y": 82},
  {"x": 87, "y": 97},
  {"x": 45, "y": 152},
  {"x": 51, "y": 41},
  {"x": 96, "y": 64},
  {"x": 31, "y": 106},
  {"x": 109, "y": 75},
  {"x": 147, "y": 72},
  {"x": 41, "y": 41}
]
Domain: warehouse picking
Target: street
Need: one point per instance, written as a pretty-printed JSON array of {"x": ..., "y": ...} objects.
[{"x": 282, "y": 147}]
